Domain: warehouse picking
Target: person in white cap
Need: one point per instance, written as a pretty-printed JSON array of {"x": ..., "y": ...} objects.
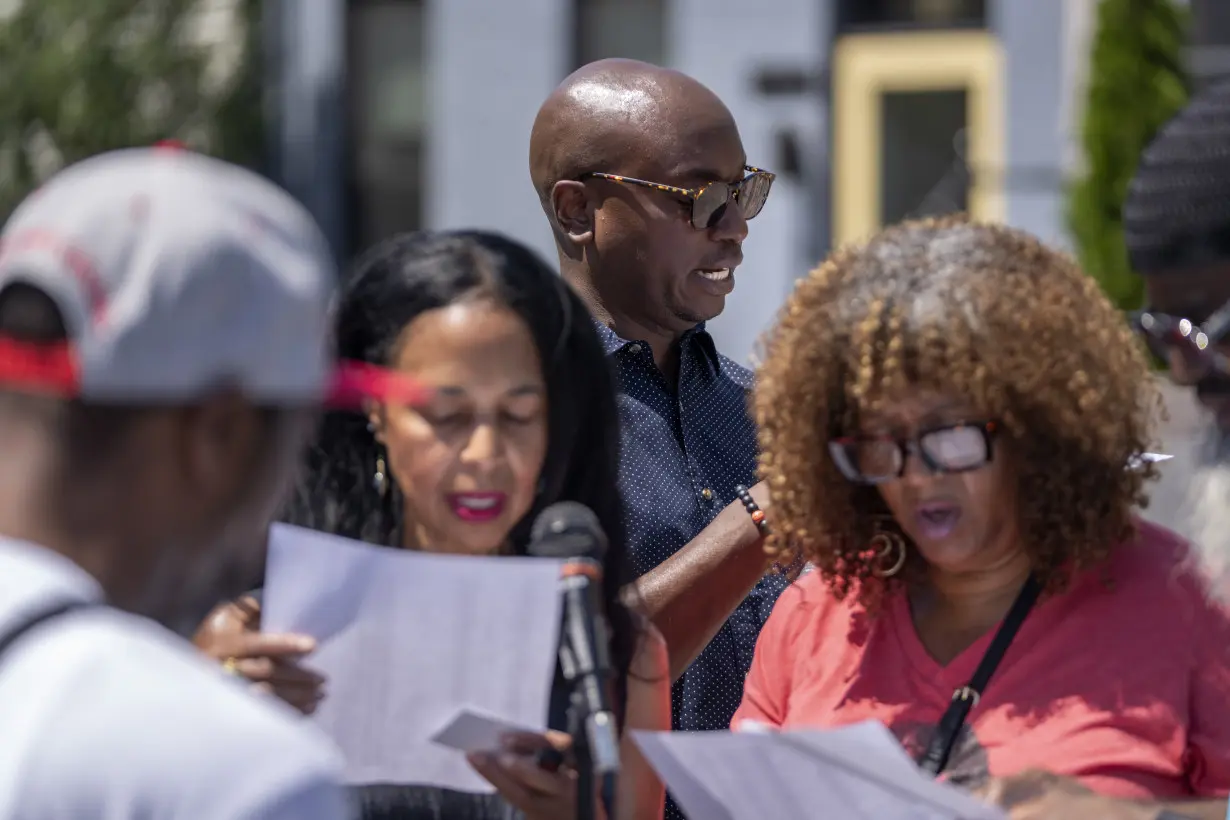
[{"x": 163, "y": 351}]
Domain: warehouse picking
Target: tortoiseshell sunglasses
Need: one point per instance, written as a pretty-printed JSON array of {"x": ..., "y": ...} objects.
[{"x": 709, "y": 201}]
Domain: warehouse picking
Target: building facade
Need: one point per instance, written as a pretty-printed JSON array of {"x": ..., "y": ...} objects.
[{"x": 398, "y": 114}]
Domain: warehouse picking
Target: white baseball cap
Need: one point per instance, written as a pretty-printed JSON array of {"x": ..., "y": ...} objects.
[{"x": 177, "y": 274}]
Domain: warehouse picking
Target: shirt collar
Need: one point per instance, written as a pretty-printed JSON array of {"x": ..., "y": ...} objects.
[
  {"x": 30, "y": 574},
  {"x": 612, "y": 343}
]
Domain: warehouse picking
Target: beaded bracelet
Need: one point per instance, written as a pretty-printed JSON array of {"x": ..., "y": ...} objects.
[
  {"x": 757, "y": 514},
  {"x": 753, "y": 509}
]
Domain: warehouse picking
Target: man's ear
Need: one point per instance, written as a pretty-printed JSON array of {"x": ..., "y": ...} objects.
[{"x": 570, "y": 204}]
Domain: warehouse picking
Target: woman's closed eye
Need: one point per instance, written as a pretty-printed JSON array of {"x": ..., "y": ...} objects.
[
  {"x": 525, "y": 406},
  {"x": 446, "y": 419},
  {"x": 520, "y": 418},
  {"x": 516, "y": 417}
]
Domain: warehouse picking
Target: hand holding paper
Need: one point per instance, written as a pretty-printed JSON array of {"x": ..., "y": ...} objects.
[
  {"x": 409, "y": 640},
  {"x": 474, "y": 731}
]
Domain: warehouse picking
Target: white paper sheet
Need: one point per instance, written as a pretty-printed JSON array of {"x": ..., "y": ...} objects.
[
  {"x": 473, "y": 731},
  {"x": 854, "y": 772},
  {"x": 408, "y": 640}
]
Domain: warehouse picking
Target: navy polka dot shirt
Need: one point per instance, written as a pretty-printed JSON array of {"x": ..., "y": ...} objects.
[{"x": 683, "y": 453}]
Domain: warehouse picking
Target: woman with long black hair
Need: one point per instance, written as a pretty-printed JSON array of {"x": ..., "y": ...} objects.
[{"x": 522, "y": 415}]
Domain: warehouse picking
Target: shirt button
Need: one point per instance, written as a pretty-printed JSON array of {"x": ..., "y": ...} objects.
[
  {"x": 634, "y": 348},
  {"x": 707, "y": 494}
]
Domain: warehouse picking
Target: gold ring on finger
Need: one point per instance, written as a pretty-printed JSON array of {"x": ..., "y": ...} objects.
[{"x": 229, "y": 666}]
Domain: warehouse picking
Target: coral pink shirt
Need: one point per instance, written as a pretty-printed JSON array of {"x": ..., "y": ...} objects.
[{"x": 1127, "y": 688}]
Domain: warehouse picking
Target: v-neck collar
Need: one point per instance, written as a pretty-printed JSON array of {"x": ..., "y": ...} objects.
[{"x": 960, "y": 669}]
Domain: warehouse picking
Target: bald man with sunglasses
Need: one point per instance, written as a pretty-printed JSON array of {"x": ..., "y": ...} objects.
[{"x": 643, "y": 177}]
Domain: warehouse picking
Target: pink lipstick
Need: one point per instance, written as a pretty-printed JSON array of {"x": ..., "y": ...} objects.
[{"x": 477, "y": 508}]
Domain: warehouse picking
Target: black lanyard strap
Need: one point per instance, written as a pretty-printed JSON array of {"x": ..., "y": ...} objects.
[{"x": 967, "y": 697}]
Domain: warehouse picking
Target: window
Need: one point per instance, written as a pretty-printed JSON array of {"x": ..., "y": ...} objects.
[
  {"x": 918, "y": 128},
  {"x": 864, "y": 14},
  {"x": 387, "y": 96},
  {"x": 922, "y": 165},
  {"x": 620, "y": 28}
]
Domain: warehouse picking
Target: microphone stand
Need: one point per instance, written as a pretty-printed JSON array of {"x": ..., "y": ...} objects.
[
  {"x": 578, "y": 716},
  {"x": 584, "y": 760},
  {"x": 570, "y": 531}
]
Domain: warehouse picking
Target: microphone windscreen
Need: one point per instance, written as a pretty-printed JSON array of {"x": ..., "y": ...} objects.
[{"x": 567, "y": 530}]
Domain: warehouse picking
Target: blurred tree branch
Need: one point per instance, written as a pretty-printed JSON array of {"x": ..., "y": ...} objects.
[{"x": 85, "y": 76}]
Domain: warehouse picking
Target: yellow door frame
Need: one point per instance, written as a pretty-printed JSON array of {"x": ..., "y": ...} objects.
[{"x": 865, "y": 66}]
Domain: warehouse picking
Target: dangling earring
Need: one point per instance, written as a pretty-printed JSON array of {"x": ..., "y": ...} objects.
[
  {"x": 890, "y": 551},
  {"x": 380, "y": 481}
]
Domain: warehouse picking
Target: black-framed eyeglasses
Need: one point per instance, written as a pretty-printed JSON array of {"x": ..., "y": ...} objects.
[
  {"x": 709, "y": 201},
  {"x": 1169, "y": 336},
  {"x": 948, "y": 448}
]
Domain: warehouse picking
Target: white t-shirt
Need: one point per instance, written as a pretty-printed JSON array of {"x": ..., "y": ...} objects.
[{"x": 106, "y": 715}]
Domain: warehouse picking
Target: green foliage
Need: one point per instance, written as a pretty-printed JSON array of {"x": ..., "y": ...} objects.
[
  {"x": 1136, "y": 83},
  {"x": 85, "y": 76}
]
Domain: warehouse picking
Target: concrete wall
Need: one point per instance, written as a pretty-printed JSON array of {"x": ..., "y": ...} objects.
[
  {"x": 491, "y": 65},
  {"x": 1032, "y": 36},
  {"x": 307, "y": 42}
]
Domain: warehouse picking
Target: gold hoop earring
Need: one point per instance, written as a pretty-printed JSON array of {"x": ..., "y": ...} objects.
[
  {"x": 380, "y": 481},
  {"x": 888, "y": 545}
]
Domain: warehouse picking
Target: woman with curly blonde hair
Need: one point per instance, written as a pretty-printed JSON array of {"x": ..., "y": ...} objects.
[{"x": 952, "y": 421}]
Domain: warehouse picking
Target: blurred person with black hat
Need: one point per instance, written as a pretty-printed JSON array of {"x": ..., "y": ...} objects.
[{"x": 1177, "y": 226}]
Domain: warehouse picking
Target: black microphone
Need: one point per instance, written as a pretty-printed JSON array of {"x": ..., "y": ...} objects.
[{"x": 570, "y": 532}]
